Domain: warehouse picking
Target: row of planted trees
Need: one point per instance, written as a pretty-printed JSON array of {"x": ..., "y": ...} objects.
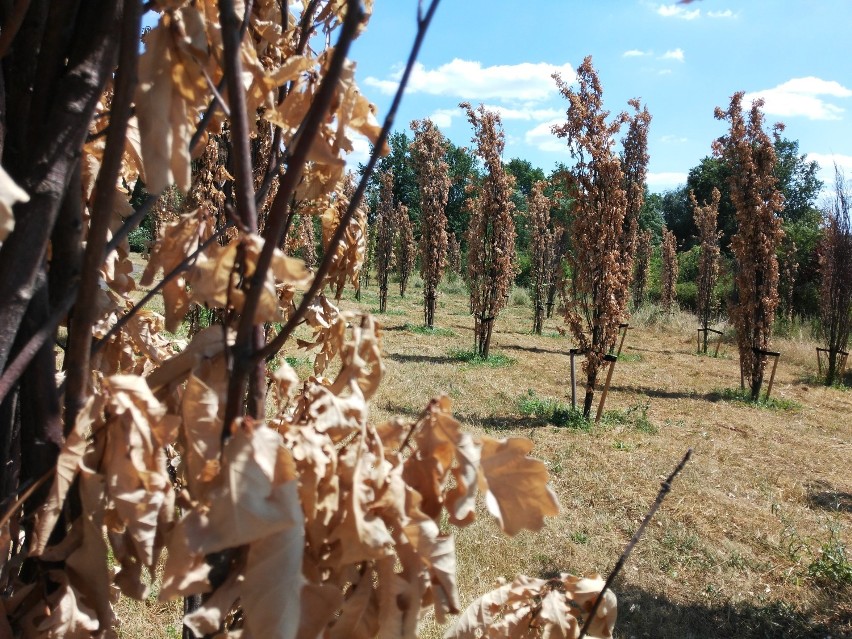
[{"x": 600, "y": 258}]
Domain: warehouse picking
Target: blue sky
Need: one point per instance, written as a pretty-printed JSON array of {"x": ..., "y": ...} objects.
[{"x": 682, "y": 60}]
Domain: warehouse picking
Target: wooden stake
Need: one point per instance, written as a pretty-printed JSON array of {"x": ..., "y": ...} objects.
[
  {"x": 612, "y": 359},
  {"x": 572, "y": 353},
  {"x": 623, "y": 328}
]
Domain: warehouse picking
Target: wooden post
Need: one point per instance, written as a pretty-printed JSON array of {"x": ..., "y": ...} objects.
[
  {"x": 623, "y": 328},
  {"x": 819, "y": 359},
  {"x": 612, "y": 359},
  {"x": 573, "y": 352},
  {"x": 776, "y": 355},
  {"x": 844, "y": 355}
]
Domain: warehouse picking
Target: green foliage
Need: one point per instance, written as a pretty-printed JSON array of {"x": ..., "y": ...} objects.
[
  {"x": 425, "y": 330},
  {"x": 140, "y": 239},
  {"x": 555, "y": 412},
  {"x": 687, "y": 296},
  {"x": 494, "y": 360},
  {"x": 524, "y": 265},
  {"x": 743, "y": 396},
  {"x": 635, "y": 416},
  {"x": 520, "y": 296},
  {"x": 832, "y": 567}
]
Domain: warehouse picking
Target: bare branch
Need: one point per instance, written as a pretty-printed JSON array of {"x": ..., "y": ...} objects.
[{"x": 665, "y": 488}]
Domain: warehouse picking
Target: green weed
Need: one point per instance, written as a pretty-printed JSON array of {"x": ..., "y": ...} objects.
[
  {"x": 743, "y": 396},
  {"x": 494, "y": 360}
]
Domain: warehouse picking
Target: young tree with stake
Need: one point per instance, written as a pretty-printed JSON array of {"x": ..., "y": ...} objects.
[
  {"x": 748, "y": 152},
  {"x": 596, "y": 298},
  {"x": 708, "y": 259},
  {"x": 428, "y": 151},
  {"x": 491, "y": 234}
]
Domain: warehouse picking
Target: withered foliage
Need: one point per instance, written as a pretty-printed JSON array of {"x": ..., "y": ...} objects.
[
  {"x": 454, "y": 257},
  {"x": 543, "y": 246},
  {"x": 596, "y": 297},
  {"x": 788, "y": 272},
  {"x": 641, "y": 264},
  {"x": 750, "y": 155},
  {"x": 291, "y": 515},
  {"x": 406, "y": 247},
  {"x": 835, "y": 264},
  {"x": 634, "y": 165},
  {"x": 670, "y": 267},
  {"x": 708, "y": 258},
  {"x": 427, "y": 152},
  {"x": 491, "y": 234},
  {"x": 384, "y": 231}
]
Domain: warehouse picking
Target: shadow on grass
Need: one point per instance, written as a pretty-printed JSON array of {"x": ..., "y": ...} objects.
[
  {"x": 643, "y": 614},
  {"x": 665, "y": 394},
  {"x": 533, "y": 349},
  {"x": 404, "y": 358},
  {"x": 823, "y": 495},
  {"x": 503, "y": 422}
]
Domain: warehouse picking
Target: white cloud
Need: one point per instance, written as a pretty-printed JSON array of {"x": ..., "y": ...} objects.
[
  {"x": 360, "y": 151},
  {"x": 727, "y": 13},
  {"x": 673, "y": 139},
  {"x": 468, "y": 79},
  {"x": 635, "y": 53},
  {"x": 443, "y": 118},
  {"x": 541, "y": 137},
  {"x": 666, "y": 178},
  {"x": 673, "y": 54},
  {"x": 677, "y": 11},
  {"x": 801, "y": 97},
  {"x": 826, "y": 163},
  {"x": 664, "y": 72}
]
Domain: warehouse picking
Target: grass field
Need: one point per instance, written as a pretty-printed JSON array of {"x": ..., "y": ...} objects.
[{"x": 753, "y": 540}]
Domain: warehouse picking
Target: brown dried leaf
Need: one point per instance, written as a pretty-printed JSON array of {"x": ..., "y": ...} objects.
[
  {"x": 179, "y": 239},
  {"x": 516, "y": 487},
  {"x": 67, "y": 466}
]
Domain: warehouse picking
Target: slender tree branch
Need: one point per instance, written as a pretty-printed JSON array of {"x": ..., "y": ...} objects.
[
  {"x": 665, "y": 488},
  {"x": 295, "y": 319},
  {"x": 244, "y": 355},
  {"x": 168, "y": 277},
  {"x": 22, "y": 360},
  {"x": 80, "y": 332}
]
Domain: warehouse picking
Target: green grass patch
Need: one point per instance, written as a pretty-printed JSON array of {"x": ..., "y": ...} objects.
[
  {"x": 554, "y": 411},
  {"x": 425, "y": 330},
  {"x": 390, "y": 311},
  {"x": 302, "y": 365},
  {"x": 635, "y": 417},
  {"x": 832, "y": 567},
  {"x": 743, "y": 396},
  {"x": 630, "y": 357},
  {"x": 494, "y": 360}
]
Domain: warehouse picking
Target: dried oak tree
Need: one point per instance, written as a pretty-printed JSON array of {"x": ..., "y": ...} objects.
[
  {"x": 427, "y": 151},
  {"x": 669, "y": 273},
  {"x": 641, "y": 264},
  {"x": 454, "y": 258},
  {"x": 750, "y": 155},
  {"x": 384, "y": 231},
  {"x": 708, "y": 258},
  {"x": 285, "y": 516},
  {"x": 835, "y": 263},
  {"x": 406, "y": 248},
  {"x": 596, "y": 297},
  {"x": 543, "y": 244},
  {"x": 491, "y": 234},
  {"x": 634, "y": 165}
]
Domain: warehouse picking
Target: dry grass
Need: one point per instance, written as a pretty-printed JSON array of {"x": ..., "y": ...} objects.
[{"x": 729, "y": 553}]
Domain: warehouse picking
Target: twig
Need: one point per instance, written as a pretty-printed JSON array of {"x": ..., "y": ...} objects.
[
  {"x": 22, "y": 360},
  {"x": 272, "y": 347},
  {"x": 665, "y": 488},
  {"x": 168, "y": 277},
  {"x": 245, "y": 356}
]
